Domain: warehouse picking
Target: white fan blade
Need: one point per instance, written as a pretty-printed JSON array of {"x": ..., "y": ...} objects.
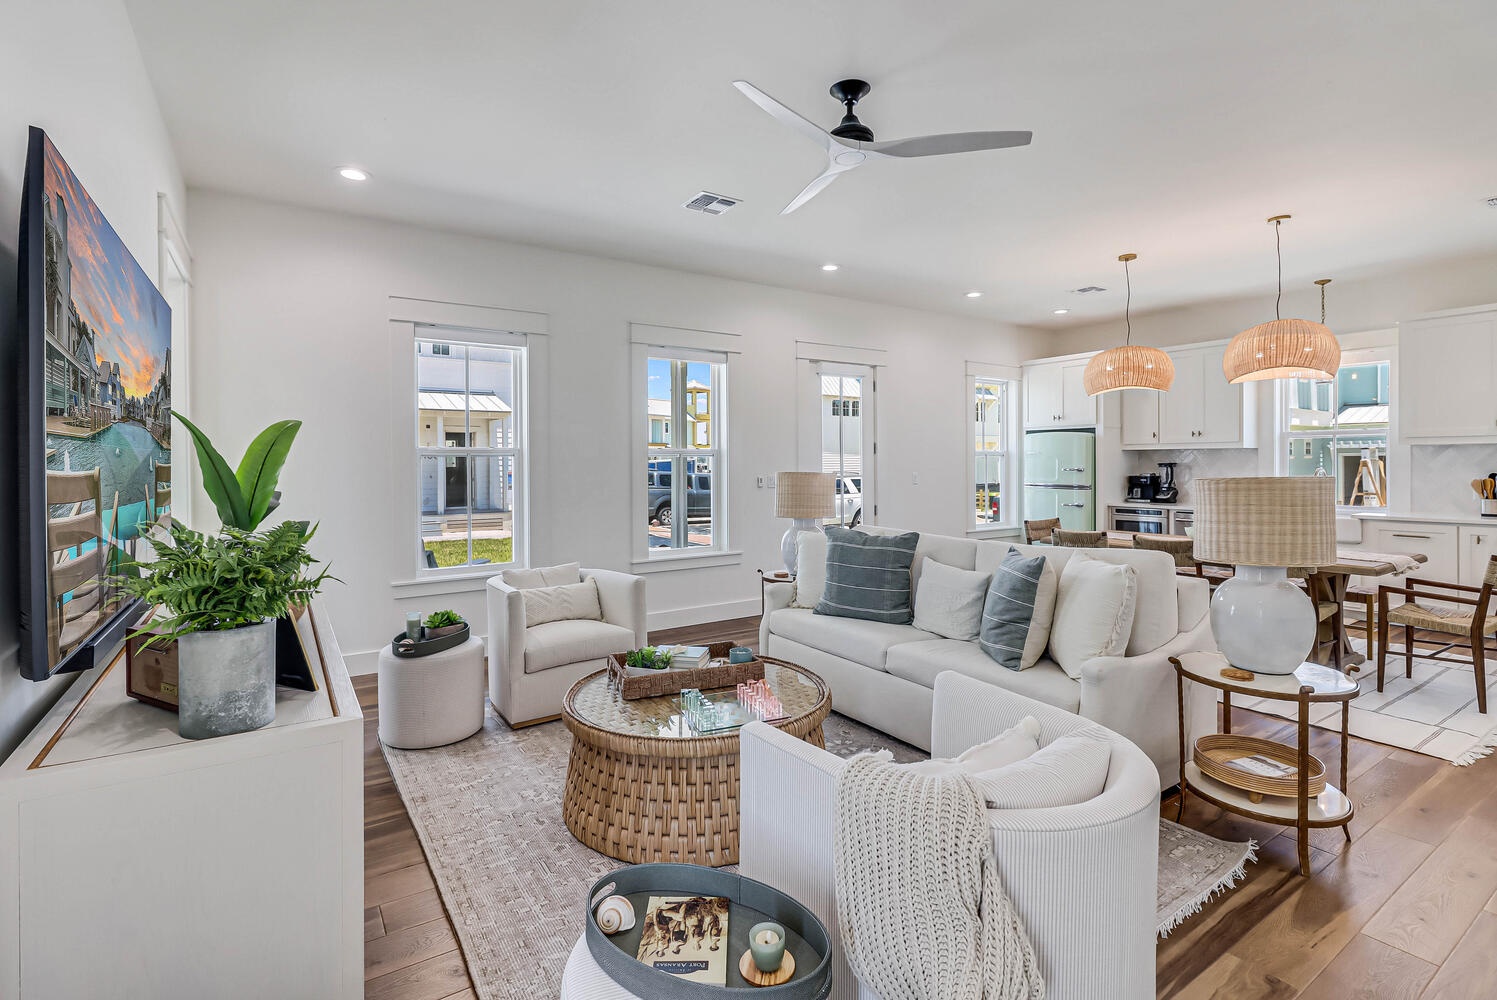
[
  {"x": 814, "y": 188},
  {"x": 953, "y": 142},
  {"x": 780, "y": 113}
]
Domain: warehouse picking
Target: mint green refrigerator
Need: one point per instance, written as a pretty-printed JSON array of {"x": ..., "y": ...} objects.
[{"x": 1060, "y": 478}]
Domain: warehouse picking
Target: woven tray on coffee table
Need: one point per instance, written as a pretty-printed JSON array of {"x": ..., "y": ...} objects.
[{"x": 667, "y": 682}]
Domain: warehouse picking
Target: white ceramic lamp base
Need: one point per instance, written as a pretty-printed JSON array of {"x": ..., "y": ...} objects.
[
  {"x": 1262, "y": 622},
  {"x": 788, "y": 544}
]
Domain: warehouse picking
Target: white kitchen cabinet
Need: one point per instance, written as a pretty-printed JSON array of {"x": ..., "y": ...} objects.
[
  {"x": 1478, "y": 546},
  {"x": 1201, "y": 410},
  {"x": 1447, "y": 367},
  {"x": 1055, "y": 396},
  {"x": 1440, "y": 542},
  {"x": 1140, "y": 418}
]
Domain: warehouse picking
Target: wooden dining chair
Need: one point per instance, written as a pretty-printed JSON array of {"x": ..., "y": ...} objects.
[
  {"x": 1039, "y": 531},
  {"x": 1079, "y": 539},
  {"x": 1182, "y": 550},
  {"x": 1469, "y": 618}
]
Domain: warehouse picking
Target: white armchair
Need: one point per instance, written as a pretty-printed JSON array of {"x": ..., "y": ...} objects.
[
  {"x": 1082, "y": 877},
  {"x": 531, "y": 669}
]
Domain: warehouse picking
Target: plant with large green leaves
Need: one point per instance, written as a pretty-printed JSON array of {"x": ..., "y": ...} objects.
[
  {"x": 244, "y": 497},
  {"x": 212, "y": 583}
]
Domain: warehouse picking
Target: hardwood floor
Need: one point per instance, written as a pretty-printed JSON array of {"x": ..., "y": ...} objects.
[{"x": 1408, "y": 909}]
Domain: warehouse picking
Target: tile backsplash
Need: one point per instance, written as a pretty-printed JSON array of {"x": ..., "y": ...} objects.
[
  {"x": 1441, "y": 474},
  {"x": 1191, "y": 464}
]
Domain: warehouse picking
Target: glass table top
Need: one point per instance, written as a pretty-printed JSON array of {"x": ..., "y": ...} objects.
[{"x": 597, "y": 702}]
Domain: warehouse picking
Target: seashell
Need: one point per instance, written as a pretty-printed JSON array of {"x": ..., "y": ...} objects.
[{"x": 615, "y": 914}]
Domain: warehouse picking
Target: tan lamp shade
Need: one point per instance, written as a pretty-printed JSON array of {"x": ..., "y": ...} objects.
[
  {"x": 1129, "y": 367},
  {"x": 1282, "y": 348},
  {"x": 805, "y": 494},
  {"x": 1266, "y": 520}
]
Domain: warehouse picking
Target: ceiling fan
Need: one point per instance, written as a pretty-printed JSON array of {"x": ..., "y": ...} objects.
[{"x": 851, "y": 143}]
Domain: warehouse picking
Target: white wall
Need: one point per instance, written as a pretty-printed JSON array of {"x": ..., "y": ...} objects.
[
  {"x": 291, "y": 320},
  {"x": 71, "y": 67}
]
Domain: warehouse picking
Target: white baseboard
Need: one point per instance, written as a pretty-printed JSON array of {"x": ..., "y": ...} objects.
[{"x": 702, "y": 614}]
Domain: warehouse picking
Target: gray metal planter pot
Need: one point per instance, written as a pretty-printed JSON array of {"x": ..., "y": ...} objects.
[{"x": 226, "y": 681}]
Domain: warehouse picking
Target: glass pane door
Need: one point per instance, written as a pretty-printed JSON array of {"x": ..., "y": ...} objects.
[{"x": 845, "y": 440}]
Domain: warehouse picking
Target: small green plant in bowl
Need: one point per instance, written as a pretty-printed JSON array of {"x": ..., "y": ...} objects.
[
  {"x": 445, "y": 622},
  {"x": 647, "y": 658}
]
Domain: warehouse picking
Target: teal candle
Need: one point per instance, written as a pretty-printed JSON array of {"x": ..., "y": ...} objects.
[
  {"x": 413, "y": 625},
  {"x": 767, "y": 945}
]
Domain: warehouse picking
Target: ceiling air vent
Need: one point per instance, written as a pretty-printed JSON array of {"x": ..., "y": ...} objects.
[
  {"x": 1088, "y": 290},
  {"x": 711, "y": 204}
]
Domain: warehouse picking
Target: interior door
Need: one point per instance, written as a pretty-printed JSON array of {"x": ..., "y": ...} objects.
[{"x": 838, "y": 435}]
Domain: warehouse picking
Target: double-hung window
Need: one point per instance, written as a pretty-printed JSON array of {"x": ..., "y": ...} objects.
[
  {"x": 1339, "y": 428},
  {"x": 989, "y": 494},
  {"x": 686, "y": 461},
  {"x": 470, "y": 437}
]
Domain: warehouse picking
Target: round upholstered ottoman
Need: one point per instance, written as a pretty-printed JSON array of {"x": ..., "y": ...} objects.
[
  {"x": 584, "y": 980},
  {"x": 429, "y": 701}
]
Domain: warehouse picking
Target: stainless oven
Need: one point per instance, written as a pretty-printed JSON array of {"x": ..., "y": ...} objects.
[
  {"x": 1140, "y": 520},
  {"x": 1182, "y": 521}
]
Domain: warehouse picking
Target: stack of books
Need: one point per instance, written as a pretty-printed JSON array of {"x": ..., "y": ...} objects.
[{"x": 686, "y": 657}]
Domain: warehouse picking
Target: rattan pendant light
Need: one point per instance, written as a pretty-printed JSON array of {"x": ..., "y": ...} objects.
[
  {"x": 1130, "y": 366},
  {"x": 1282, "y": 348}
]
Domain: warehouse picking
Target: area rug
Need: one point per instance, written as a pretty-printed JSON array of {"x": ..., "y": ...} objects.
[
  {"x": 488, "y": 813},
  {"x": 1433, "y": 712}
]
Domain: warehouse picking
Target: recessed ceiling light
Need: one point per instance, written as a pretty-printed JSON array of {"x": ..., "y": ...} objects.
[
  {"x": 829, "y": 267},
  {"x": 353, "y": 174},
  {"x": 974, "y": 295},
  {"x": 1061, "y": 312}
]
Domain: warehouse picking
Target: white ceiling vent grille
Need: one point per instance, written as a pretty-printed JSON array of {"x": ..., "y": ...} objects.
[{"x": 711, "y": 204}]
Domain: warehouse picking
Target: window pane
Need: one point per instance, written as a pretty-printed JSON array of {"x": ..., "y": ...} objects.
[
  {"x": 667, "y": 493},
  {"x": 660, "y": 382},
  {"x": 699, "y": 403},
  {"x": 987, "y": 481},
  {"x": 842, "y": 443},
  {"x": 441, "y": 416},
  {"x": 444, "y": 509},
  {"x": 987, "y": 412},
  {"x": 493, "y": 493},
  {"x": 491, "y": 399}
]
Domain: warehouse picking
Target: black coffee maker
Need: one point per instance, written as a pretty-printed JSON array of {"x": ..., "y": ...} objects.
[
  {"x": 1167, "y": 492},
  {"x": 1143, "y": 487}
]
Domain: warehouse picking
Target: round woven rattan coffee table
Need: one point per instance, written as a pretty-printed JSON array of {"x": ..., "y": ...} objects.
[{"x": 642, "y": 785}]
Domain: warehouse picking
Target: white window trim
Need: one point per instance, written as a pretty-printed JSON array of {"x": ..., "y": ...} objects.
[
  {"x": 645, "y": 345},
  {"x": 1396, "y": 456},
  {"x": 478, "y": 324},
  {"x": 1010, "y": 376}
]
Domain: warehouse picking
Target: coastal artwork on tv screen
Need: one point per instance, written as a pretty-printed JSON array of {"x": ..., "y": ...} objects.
[{"x": 107, "y": 394}]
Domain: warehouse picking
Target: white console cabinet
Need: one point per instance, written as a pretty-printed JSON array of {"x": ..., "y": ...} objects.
[{"x": 135, "y": 865}]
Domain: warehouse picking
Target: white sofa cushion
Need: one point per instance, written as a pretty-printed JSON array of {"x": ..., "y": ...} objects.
[
  {"x": 1157, "y": 619},
  {"x": 1094, "y": 611},
  {"x": 920, "y": 662},
  {"x": 1070, "y": 770},
  {"x": 567, "y": 601},
  {"x": 556, "y": 644},
  {"x": 853, "y": 639},
  {"x": 810, "y": 569},
  {"x": 950, "y": 600},
  {"x": 1008, "y": 747},
  {"x": 524, "y": 578}
]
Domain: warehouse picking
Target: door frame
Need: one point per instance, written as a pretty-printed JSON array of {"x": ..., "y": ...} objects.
[{"x": 810, "y": 451}]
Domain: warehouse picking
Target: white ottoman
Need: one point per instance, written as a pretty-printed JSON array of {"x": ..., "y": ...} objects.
[
  {"x": 583, "y": 980},
  {"x": 430, "y": 701}
]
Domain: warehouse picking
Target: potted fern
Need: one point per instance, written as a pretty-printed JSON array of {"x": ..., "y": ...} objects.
[{"x": 221, "y": 594}]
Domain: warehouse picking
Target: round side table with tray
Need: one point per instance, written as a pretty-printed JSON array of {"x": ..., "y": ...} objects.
[{"x": 1276, "y": 782}]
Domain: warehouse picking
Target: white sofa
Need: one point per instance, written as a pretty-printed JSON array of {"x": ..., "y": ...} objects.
[
  {"x": 883, "y": 674},
  {"x": 1083, "y": 878},
  {"x": 532, "y": 669}
]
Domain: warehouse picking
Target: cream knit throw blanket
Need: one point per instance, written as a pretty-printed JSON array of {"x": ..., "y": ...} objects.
[{"x": 922, "y": 912}]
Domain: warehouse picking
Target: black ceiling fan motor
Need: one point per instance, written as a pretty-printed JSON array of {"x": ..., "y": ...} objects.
[{"x": 848, "y": 93}]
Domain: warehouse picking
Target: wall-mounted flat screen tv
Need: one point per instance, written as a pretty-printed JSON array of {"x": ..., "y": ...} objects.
[{"x": 94, "y": 391}]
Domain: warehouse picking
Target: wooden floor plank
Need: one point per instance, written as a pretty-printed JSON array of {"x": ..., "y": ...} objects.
[
  {"x": 1370, "y": 970},
  {"x": 411, "y": 910},
  {"x": 434, "y": 979},
  {"x": 374, "y": 924},
  {"x": 408, "y": 946},
  {"x": 1432, "y": 911},
  {"x": 382, "y": 888}
]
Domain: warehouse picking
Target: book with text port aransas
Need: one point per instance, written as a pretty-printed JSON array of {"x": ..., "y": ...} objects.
[{"x": 687, "y": 936}]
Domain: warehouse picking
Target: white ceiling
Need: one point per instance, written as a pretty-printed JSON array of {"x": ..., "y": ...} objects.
[{"x": 1169, "y": 129}]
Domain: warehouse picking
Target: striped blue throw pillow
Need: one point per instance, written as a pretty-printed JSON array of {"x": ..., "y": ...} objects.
[
  {"x": 868, "y": 576},
  {"x": 1009, "y": 607}
]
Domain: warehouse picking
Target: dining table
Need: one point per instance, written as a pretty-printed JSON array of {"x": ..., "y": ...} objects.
[{"x": 1326, "y": 583}]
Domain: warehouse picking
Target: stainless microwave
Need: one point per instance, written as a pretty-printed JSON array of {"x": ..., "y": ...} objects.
[{"x": 1140, "y": 520}]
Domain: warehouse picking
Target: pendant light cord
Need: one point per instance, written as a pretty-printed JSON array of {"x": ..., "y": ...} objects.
[
  {"x": 1128, "y": 305},
  {"x": 1322, "y": 305},
  {"x": 1278, "y": 249}
]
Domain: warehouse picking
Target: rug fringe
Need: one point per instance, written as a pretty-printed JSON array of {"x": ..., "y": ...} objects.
[
  {"x": 1483, "y": 748},
  {"x": 1194, "y": 906}
]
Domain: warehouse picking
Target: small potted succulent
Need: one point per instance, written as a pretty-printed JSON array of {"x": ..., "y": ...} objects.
[
  {"x": 647, "y": 658},
  {"x": 440, "y": 623}
]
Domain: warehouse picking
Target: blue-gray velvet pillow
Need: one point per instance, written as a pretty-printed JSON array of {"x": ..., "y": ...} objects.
[
  {"x": 868, "y": 576},
  {"x": 1009, "y": 607}
]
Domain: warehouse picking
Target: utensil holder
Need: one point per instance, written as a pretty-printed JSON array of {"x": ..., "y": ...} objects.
[{"x": 1488, "y": 508}]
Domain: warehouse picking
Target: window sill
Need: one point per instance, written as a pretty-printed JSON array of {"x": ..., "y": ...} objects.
[
  {"x": 993, "y": 530},
  {"x": 469, "y": 581},
  {"x": 687, "y": 560}
]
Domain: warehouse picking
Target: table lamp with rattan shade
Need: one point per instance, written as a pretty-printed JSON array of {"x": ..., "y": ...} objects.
[
  {"x": 1262, "y": 525},
  {"x": 807, "y": 497}
]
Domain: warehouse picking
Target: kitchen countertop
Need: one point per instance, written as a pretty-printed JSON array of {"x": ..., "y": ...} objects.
[
  {"x": 1150, "y": 503},
  {"x": 1471, "y": 519}
]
